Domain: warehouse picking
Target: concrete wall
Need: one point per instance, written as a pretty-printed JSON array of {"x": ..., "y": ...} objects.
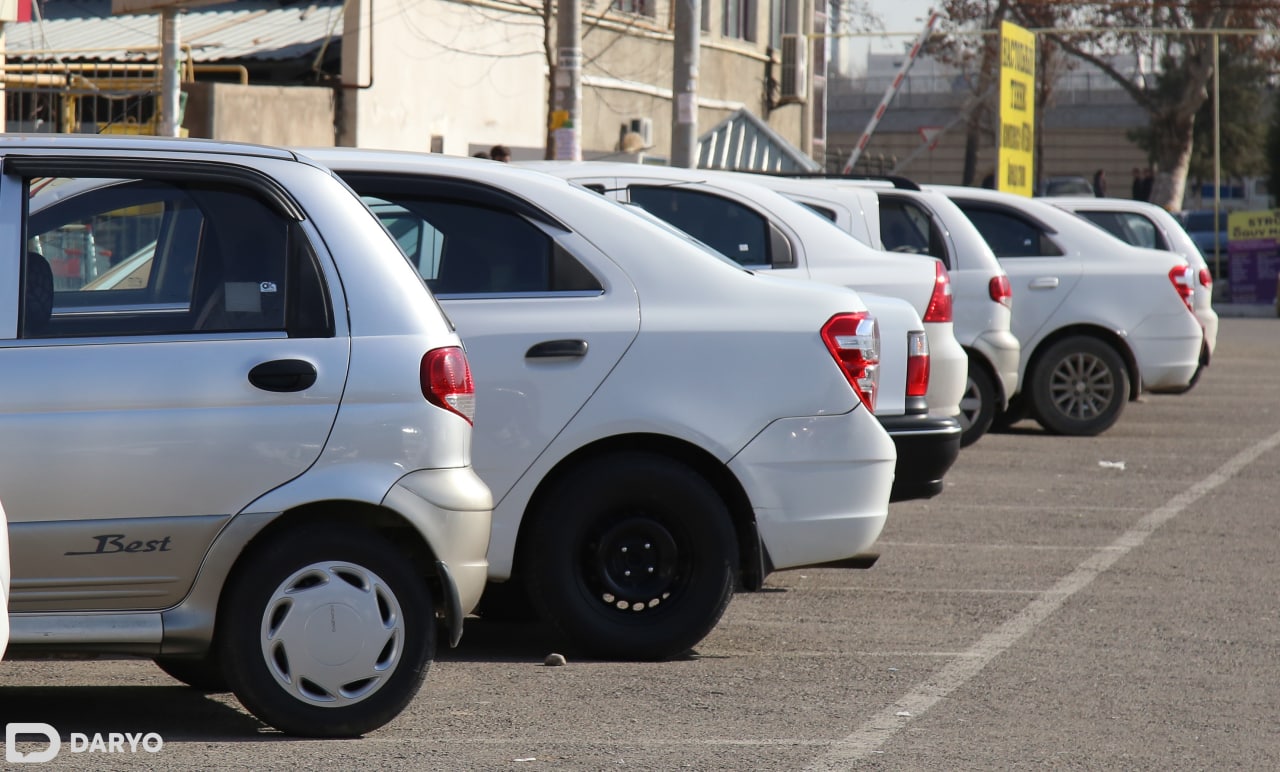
[{"x": 269, "y": 115}]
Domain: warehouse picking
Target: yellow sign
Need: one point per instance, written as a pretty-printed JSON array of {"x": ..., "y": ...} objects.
[
  {"x": 1252, "y": 226},
  {"x": 1016, "y": 142}
]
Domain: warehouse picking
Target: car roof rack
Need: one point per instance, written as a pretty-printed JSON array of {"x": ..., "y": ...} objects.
[{"x": 901, "y": 183}]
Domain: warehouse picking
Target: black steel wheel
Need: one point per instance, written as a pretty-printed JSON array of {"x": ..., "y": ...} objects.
[{"x": 631, "y": 556}]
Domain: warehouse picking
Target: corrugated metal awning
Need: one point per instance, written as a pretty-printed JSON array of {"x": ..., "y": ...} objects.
[
  {"x": 744, "y": 142},
  {"x": 254, "y": 29}
]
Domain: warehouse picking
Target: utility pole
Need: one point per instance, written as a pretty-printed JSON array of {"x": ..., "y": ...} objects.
[
  {"x": 566, "y": 115},
  {"x": 684, "y": 84},
  {"x": 169, "y": 85}
]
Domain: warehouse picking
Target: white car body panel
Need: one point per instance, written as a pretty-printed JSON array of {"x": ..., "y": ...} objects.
[
  {"x": 1099, "y": 281},
  {"x": 4, "y": 583},
  {"x": 1173, "y": 237}
]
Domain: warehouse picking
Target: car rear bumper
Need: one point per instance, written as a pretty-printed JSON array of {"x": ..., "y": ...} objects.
[
  {"x": 927, "y": 447},
  {"x": 452, "y": 510},
  {"x": 1167, "y": 348},
  {"x": 1002, "y": 350},
  {"x": 948, "y": 369},
  {"x": 819, "y": 486}
]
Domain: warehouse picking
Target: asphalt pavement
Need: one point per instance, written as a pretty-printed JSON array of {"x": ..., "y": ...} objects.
[{"x": 1065, "y": 603}]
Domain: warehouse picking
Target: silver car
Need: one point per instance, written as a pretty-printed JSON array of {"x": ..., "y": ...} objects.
[{"x": 237, "y": 429}]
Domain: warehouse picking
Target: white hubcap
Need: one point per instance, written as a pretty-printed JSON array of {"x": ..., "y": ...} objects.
[{"x": 332, "y": 634}]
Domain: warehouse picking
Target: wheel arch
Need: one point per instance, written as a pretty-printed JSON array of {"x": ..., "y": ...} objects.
[
  {"x": 752, "y": 558},
  {"x": 190, "y": 628},
  {"x": 1103, "y": 334},
  {"x": 976, "y": 356}
]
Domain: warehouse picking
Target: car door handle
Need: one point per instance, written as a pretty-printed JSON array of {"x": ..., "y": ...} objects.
[
  {"x": 283, "y": 375},
  {"x": 1044, "y": 282},
  {"x": 557, "y": 348}
]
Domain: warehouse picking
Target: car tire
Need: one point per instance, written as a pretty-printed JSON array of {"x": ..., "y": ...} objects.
[
  {"x": 200, "y": 673},
  {"x": 632, "y": 556},
  {"x": 1079, "y": 387},
  {"x": 344, "y": 683},
  {"x": 977, "y": 405}
]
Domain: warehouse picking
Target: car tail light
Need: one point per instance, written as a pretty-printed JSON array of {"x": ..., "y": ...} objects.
[
  {"x": 917, "y": 364},
  {"x": 1180, "y": 275},
  {"x": 1206, "y": 278},
  {"x": 446, "y": 381},
  {"x": 854, "y": 340},
  {"x": 1000, "y": 290},
  {"x": 939, "y": 309}
]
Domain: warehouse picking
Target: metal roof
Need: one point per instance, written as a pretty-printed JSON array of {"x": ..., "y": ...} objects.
[
  {"x": 744, "y": 142},
  {"x": 251, "y": 29}
]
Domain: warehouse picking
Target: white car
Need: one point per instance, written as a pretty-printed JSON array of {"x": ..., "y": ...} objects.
[
  {"x": 1099, "y": 321},
  {"x": 4, "y": 583},
  {"x": 894, "y": 214},
  {"x": 1144, "y": 224},
  {"x": 237, "y": 429},
  {"x": 658, "y": 425},
  {"x": 765, "y": 231}
]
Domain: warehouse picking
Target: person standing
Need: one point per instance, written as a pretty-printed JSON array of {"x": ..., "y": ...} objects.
[
  {"x": 500, "y": 153},
  {"x": 1100, "y": 183}
]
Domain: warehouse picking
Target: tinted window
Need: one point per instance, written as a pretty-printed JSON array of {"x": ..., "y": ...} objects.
[
  {"x": 828, "y": 214},
  {"x": 1129, "y": 227},
  {"x": 1010, "y": 235},
  {"x": 730, "y": 228},
  {"x": 905, "y": 226},
  {"x": 134, "y": 257},
  {"x": 460, "y": 248}
]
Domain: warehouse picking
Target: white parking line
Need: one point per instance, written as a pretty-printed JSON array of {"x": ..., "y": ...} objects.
[{"x": 877, "y": 730}]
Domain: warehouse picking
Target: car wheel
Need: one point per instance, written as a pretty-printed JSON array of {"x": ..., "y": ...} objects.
[
  {"x": 977, "y": 405},
  {"x": 631, "y": 556},
  {"x": 1079, "y": 387},
  {"x": 202, "y": 673},
  {"x": 326, "y": 632}
]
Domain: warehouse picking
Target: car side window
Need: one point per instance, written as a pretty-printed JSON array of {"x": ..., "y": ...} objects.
[
  {"x": 155, "y": 257},
  {"x": 1010, "y": 235},
  {"x": 1130, "y": 227},
  {"x": 461, "y": 248},
  {"x": 730, "y": 228},
  {"x": 905, "y": 226}
]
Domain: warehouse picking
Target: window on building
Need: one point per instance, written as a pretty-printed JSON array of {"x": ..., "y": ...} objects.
[
  {"x": 637, "y": 7},
  {"x": 739, "y": 19}
]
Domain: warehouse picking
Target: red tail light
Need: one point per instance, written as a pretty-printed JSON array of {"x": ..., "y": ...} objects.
[
  {"x": 854, "y": 341},
  {"x": 1181, "y": 277},
  {"x": 1000, "y": 290},
  {"x": 939, "y": 309},
  {"x": 1206, "y": 278},
  {"x": 917, "y": 364},
  {"x": 446, "y": 381}
]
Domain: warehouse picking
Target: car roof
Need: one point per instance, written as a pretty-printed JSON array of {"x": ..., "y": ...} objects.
[{"x": 121, "y": 143}]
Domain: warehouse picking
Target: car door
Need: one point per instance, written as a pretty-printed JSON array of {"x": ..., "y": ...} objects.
[
  {"x": 543, "y": 316},
  {"x": 1041, "y": 273},
  {"x": 174, "y": 369}
]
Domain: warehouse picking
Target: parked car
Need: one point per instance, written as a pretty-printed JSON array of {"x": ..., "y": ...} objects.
[
  {"x": 658, "y": 426},
  {"x": 4, "y": 583},
  {"x": 764, "y": 231},
  {"x": 894, "y": 214},
  {"x": 1199, "y": 225},
  {"x": 1068, "y": 185},
  {"x": 1147, "y": 225},
  {"x": 243, "y": 450},
  {"x": 1099, "y": 321}
]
